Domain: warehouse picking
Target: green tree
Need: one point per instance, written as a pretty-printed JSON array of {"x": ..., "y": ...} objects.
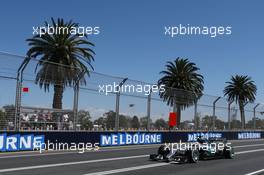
[
  {"x": 64, "y": 58},
  {"x": 219, "y": 124},
  {"x": 241, "y": 89},
  {"x": 124, "y": 121},
  {"x": 100, "y": 122},
  {"x": 144, "y": 122},
  {"x": 183, "y": 85},
  {"x": 161, "y": 124},
  {"x": 3, "y": 120},
  {"x": 259, "y": 124},
  {"x": 10, "y": 116},
  {"x": 235, "y": 124},
  {"x": 85, "y": 120},
  {"x": 110, "y": 119},
  {"x": 135, "y": 122},
  {"x": 207, "y": 121}
]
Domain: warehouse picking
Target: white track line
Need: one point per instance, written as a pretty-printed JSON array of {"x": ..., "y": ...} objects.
[
  {"x": 249, "y": 151},
  {"x": 255, "y": 172},
  {"x": 69, "y": 163},
  {"x": 36, "y": 154},
  {"x": 121, "y": 170},
  {"x": 242, "y": 146}
]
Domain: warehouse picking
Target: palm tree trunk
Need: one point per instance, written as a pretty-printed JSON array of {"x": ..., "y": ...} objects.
[
  {"x": 178, "y": 115},
  {"x": 177, "y": 110},
  {"x": 242, "y": 115},
  {"x": 57, "y": 97},
  {"x": 174, "y": 105}
]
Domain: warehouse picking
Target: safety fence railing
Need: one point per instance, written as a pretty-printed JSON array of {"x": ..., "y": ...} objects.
[{"x": 29, "y": 99}]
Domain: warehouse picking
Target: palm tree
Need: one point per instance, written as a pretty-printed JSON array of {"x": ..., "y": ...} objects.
[
  {"x": 183, "y": 85},
  {"x": 241, "y": 89},
  {"x": 64, "y": 58}
]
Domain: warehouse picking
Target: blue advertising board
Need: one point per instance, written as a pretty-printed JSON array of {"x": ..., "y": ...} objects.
[
  {"x": 130, "y": 139},
  {"x": 248, "y": 135},
  {"x": 25, "y": 140},
  {"x": 192, "y": 137},
  {"x": 19, "y": 142}
]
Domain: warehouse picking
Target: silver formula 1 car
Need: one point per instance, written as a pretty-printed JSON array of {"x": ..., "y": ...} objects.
[{"x": 202, "y": 149}]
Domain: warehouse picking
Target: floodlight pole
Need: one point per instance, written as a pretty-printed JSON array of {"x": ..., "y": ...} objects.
[
  {"x": 117, "y": 103},
  {"x": 214, "y": 103},
  {"x": 243, "y": 127},
  {"x": 254, "y": 117},
  {"x": 18, "y": 89},
  {"x": 229, "y": 114},
  {"x": 148, "y": 110},
  {"x": 76, "y": 100}
]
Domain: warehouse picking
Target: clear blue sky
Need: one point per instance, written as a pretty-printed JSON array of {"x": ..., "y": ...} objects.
[{"x": 132, "y": 41}]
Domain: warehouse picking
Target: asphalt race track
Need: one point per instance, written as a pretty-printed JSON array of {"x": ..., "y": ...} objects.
[{"x": 130, "y": 160}]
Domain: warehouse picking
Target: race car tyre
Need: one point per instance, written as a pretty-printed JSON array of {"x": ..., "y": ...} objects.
[
  {"x": 193, "y": 156},
  {"x": 163, "y": 151},
  {"x": 153, "y": 156},
  {"x": 229, "y": 154}
]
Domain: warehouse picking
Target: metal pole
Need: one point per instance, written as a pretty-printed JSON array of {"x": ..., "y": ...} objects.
[
  {"x": 229, "y": 114},
  {"x": 20, "y": 84},
  {"x": 16, "y": 99},
  {"x": 76, "y": 100},
  {"x": 148, "y": 111},
  {"x": 18, "y": 91},
  {"x": 74, "y": 108},
  {"x": 77, "y": 122},
  {"x": 218, "y": 98},
  {"x": 244, "y": 116},
  {"x": 20, "y": 94},
  {"x": 117, "y": 103},
  {"x": 254, "y": 117},
  {"x": 117, "y": 111},
  {"x": 195, "y": 115}
]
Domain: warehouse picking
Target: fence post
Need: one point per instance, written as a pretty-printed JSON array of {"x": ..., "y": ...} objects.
[
  {"x": 75, "y": 106},
  {"x": 118, "y": 103},
  {"x": 18, "y": 89},
  {"x": 19, "y": 83},
  {"x": 76, "y": 99},
  {"x": 218, "y": 98},
  {"x": 117, "y": 111},
  {"x": 148, "y": 111},
  {"x": 229, "y": 114},
  {"x": 254, "y": 117}
]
